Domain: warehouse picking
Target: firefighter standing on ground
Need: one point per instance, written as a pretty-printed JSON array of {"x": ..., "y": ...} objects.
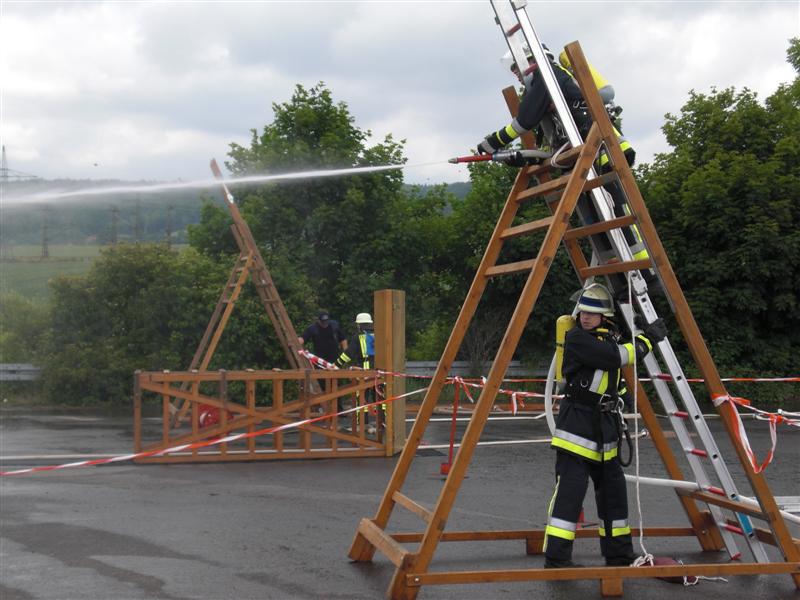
[
  {"x": 360, "y": 353},
  {"x": 587, "y": 433}
]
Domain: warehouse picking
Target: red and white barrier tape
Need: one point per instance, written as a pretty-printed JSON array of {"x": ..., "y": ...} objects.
[
  {"x": 316, "y": 361},
  {"x": 204, "y": 443},
  {"x": 741, "y": 433}
]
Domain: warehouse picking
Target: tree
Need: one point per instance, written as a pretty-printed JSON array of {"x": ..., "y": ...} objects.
[
  {"x": 139, "y": 307},
  {"x": 314, "y": 233},
  {"x": 23, "y": 328},
  {"x": 726, "y": 201}
]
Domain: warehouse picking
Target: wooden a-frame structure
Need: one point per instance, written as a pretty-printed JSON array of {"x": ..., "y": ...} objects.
[
  {"x": 249, "y": 264},
  {"x": 413, "y": 567}
]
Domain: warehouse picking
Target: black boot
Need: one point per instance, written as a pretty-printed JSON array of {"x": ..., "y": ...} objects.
[
  {"x": 553, "y": 563},
  {"x": 620, "y": 561}
]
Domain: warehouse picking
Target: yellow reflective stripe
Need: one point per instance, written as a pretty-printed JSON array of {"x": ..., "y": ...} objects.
[
  {"x": 343, "y": 357},
  {"x": 599, "y": 383},
  {"x": 616, "y": 531},
  {"x": 584, "y": 452},
  {"x": 511, "y": 132},
  {"x": 631, "y": 352},
  {"x": 641, "y": 255},
  {"x": 576, "y": 449},
  {"x": 550, "y": 510},
  {"x": 559, "y": 533}
]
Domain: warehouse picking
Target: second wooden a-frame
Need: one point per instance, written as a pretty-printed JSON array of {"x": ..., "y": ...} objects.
[
  {"x": 249, "y": 265},
  {"x": 413, "y": 567}
]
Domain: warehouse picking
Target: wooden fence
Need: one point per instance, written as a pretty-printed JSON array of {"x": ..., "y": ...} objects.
[{"x": 248, "y": 401}]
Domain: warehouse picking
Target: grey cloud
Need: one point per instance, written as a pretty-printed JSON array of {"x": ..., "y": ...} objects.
[{"x": 431, "y": 69}]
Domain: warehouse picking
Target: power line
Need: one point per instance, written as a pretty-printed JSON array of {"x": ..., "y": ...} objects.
[{"x": 7, "y": 174}]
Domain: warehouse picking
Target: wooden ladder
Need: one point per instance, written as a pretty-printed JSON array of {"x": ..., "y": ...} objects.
[{"x": 250, "y": 263}]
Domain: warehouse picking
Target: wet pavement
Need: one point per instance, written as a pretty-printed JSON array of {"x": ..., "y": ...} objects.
[{"x": 281, "y": 530}]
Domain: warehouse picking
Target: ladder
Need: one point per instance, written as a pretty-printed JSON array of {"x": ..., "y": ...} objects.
[
  {"x": 518, "y": 31},
  {"x": 250, "y": 263},
  {"x": 412, "y": 567}
]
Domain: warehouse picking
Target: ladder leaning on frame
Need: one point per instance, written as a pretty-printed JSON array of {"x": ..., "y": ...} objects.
[{"x": 712, "y": 529}]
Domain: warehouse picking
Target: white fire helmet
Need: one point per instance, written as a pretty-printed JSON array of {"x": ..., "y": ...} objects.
[
  {"x": 595, "y": 298},
  {"x": 363, "y": 319}
]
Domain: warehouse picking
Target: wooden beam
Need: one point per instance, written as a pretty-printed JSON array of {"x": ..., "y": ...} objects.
[
  {"x": 510, "y": 268},
  {"x": 616, "y": 267},
  {"x": 412, "y": 506},
  {"x": 537, "y": 225},
  {"x": 383, "y": 542},
  {"x": 534, "y": 534},
  {"x": 696, "y": 569},
  {"x": 600, "y": 227}
]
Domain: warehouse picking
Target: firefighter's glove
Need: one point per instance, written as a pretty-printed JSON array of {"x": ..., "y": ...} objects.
[
  {"x": 643, "y": 347},
  {"x": 656, "y": 331},
  {"x": 490, "y": 144}
]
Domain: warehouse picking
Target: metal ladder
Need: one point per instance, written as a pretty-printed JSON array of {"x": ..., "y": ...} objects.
[{"x": 518, "y": 32}]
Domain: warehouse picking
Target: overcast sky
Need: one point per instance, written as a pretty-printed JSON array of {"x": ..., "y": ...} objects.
[{"x": 153, "y": 90}]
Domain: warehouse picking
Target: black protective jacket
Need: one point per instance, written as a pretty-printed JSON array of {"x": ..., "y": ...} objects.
[{"x": 587, "y": 424}]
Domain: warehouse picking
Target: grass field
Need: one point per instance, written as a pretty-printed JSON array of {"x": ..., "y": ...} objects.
[{"x": 28, "y": 273}]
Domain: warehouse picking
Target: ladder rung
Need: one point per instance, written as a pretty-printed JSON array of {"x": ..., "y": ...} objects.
[
  {"x": 618, "y": 267},
  {"x": 557, "y": 184},
  {"x": 412, "y": 506},
  {"x": 586, "y": 231},
  {"x": 731, "y": 528},
  {"x": 526, "y": 228},
  {"x": 697, "y": 452},
  {"x": 509, "y": 268},
  {"x": 513, "y": 29},
  {"x": 681, "y": 414},
  {"x": 544, "y": 188},
  {"x": 382, "y": 541}
]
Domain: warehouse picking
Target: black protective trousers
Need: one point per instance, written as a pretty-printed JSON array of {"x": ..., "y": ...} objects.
[{"x": 610, "y": 492}]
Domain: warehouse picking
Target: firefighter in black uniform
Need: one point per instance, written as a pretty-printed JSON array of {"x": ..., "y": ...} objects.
[
  {"x": 588, "y": 428},
  {"x": 536, "y": 103}
]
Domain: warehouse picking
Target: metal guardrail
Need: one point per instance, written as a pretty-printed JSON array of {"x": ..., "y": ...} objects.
[
  {"x": 19, "y": 372},
  {"x": 463, "y": 368}
]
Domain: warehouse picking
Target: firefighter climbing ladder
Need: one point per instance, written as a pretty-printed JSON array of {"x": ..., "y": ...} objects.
[
  {"x": 249, "y": 264},
  {"x": 712, "y": 529}
]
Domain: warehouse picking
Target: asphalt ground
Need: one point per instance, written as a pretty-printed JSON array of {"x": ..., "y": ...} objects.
[{"x": 282, "y": 530}]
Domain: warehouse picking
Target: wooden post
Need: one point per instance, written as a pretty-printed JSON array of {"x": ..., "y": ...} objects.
[
  {"x": 137, "y": 412},
  {"x": 390, "y": 355}
]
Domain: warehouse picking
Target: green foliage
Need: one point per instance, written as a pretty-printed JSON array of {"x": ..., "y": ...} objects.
[
  {"x": 23, "y": 328},
  {"x": 139, "y": 307},
  {"x": 725, "y": 201},
  {"x": 322, "y": 237}
]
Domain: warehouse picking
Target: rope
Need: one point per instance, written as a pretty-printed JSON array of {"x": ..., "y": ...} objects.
[
  {"x": 645, "y": 558},
  {"x": 554, "y": 159}
]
